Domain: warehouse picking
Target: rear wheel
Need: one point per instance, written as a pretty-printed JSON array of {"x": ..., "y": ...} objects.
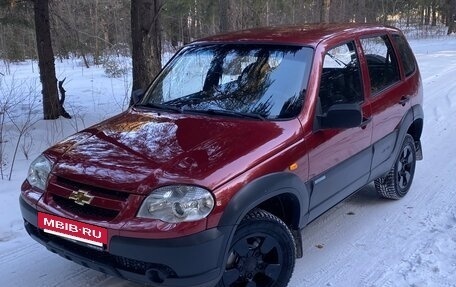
[
  {"x": 262, "y": 253},
  {"x": 397, "y": 182}
]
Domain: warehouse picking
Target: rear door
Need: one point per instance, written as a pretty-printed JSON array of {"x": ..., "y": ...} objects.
[
  {"x": 387, "y": 93},
  {"x": 339, "y": 158}
]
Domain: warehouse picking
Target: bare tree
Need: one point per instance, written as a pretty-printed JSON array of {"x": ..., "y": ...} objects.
[
  {"x": 224, "y": 6},
  {"x": 146, "y": 41},
  {"x": 451, "y": 16},
  {"x": 360, "y": 10},
  {"x": 96, "y": 29},
  {"x": 434, "y": 13},
  {"x": 324, "y": 12},
  {"x": 46, "y": 60}
]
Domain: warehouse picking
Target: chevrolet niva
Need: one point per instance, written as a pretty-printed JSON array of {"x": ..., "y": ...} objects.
[{"x": 242, "y": 139}]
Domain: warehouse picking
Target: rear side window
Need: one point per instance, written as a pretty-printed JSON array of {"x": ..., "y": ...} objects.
[
  {"x": 381, "y": 61},
  {"x": 407, "y": 58}
]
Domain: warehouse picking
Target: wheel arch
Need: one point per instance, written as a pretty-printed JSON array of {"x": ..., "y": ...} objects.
[
  {"x": 416, "y": 127},
  {"x": 283, "y": 194},
  {"x": 285, "y": 206},
  {"x": 411, "y": 123}
]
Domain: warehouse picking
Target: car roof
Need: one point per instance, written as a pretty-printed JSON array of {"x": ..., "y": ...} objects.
[{"x": 309, "y": 35}]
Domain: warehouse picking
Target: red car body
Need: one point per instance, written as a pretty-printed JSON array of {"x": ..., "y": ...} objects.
[{"x": 298, "y": 171}]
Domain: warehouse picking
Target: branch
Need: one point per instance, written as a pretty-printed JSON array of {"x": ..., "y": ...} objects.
[
  {"x": 62, "y": 91},
  {"x": 72, "y": 28},
  {"x": 157, "y": 14},
  {"x": 62, "y": 110}
]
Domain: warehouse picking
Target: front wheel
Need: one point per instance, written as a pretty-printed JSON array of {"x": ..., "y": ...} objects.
[
  {"x": 397, "y": 182},
  {"x": 262, "y": 253}
]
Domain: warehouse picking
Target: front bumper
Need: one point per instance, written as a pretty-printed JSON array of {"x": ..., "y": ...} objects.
[{"x": 195, "y": 260}]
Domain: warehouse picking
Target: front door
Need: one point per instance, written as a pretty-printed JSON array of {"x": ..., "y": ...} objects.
[{"x": 339, "y": 159}]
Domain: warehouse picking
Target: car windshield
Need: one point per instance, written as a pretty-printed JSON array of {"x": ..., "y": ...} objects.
[{"x": 260, "y": 81}]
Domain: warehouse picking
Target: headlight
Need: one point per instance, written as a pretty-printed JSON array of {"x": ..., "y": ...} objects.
[
  {"x": 177, "y": 203},
  {"x": 39, "y": 171}
]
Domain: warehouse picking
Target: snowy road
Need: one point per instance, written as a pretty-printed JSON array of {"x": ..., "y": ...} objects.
[{"x": 363, "y": 241}]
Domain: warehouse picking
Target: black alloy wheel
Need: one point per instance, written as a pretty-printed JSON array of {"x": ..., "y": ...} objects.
[
  {"x": 262, "y": 253},
  {"x": 397, "y": 182}
]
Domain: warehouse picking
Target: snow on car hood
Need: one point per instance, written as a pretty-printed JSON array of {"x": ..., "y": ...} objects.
[{"x": 137, "y": 151}]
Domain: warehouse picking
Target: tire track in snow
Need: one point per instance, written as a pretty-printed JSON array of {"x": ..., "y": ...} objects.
[
  {"x": 338, "y": 232},
  {"x": 429, "y": 189},
  {"x": 450, "y": 102},
  {"x": 49, "y": 269},
  {"x": 18, "y": 253},
  {"x": 422, "y": 266}
]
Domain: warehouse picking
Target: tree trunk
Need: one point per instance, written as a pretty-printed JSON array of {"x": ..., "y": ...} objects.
[
  {"x": 384, "y": 12},
  {"x": 46, "y": 60},
  {"x": 324, "y": 12},
  {"x": 224, "y": 6},
  {"x": 360, "y": 11},
  {"x": 185, "y": 29},
  {"x": 434, "y": 13},
  {"x": 451, "y": 16},
  {"x": 422, "y": 8},
  {"x": 427, "y": 19},
  {"x": 407, "y": 15},
  {"x": 146, "y": 41},
  {"x": 373, "y": 9}
]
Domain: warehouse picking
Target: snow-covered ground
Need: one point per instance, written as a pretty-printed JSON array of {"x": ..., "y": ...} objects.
[{"x": 363, "y": 241}]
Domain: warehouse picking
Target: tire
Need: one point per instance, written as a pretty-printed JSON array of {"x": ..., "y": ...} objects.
[
  {"x": 262, "y": 253},
  {"x": 397, "y": 182}
]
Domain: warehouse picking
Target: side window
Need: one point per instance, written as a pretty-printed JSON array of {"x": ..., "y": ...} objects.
[
  {"x": 340, "y": 80},
  {"x": 381, "y": 61},
  {"x": 407, "y": 58}
]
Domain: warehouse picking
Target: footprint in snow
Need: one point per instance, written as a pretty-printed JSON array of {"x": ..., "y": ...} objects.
[
  {"x": 437, "y": 114},
  {"x": 8, "y": 236},
  {"x": 449, "y": 101},
  {"x": 17, "y": 224}
]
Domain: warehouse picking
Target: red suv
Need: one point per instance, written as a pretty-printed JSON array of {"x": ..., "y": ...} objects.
[{"x": 240, "y": 142}]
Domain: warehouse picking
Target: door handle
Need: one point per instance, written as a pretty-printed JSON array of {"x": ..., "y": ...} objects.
[
  {"x": 365, "y": 122},
  {"x": 404, "y": 100}
]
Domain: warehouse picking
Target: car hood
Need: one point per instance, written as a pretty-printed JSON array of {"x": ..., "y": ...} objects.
[{"x": 137, "y": 150}]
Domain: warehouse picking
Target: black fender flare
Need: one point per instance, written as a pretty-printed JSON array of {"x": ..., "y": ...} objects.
[
  {"x": 417, "y": 112},
  {"x": 262, "y": 189},
  {"x": 414, "y": 113},
  {"x": 403, "y": 127}
]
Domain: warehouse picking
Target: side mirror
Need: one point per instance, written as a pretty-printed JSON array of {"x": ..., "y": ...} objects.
[
  {"x": 341, "y": 116},
  {"x": 136, "y": 96}
]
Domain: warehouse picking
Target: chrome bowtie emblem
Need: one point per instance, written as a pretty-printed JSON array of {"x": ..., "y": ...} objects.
[{"x": 81, "y": 197}]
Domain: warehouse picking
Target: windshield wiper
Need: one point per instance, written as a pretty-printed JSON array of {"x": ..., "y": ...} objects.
[
  {"x": 229, "y": 113},
  {"x": 208, "y": 111},
  {"x": 162, "y": 107}
]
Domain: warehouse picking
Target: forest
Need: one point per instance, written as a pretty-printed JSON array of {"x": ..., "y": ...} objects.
[
  {"x": 95, "y": 28},
  {"x": 102, "y": 31}
]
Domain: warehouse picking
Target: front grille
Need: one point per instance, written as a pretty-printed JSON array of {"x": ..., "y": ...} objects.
[
  {"x": 105, "y": 204},
  {"x": 97, "y": 191},
  {"x": 86, "y": 211},
  {"x": 141, "y": 267}
]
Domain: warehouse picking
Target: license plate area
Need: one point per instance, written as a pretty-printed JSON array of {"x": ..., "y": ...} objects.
[{"x": 73, "y": 230}]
